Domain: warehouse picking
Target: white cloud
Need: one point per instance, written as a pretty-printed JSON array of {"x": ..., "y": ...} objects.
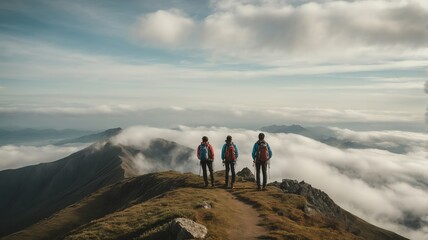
[
  {"x": 316, "y": 31},
  {"x": 426, "y": 87},
  {"x": 12, "y": 156},
  {"x": 44, "y": 61},
  {"x": 115, "y": 109},
  {"x": 381, "y": 187},
  {"x": 170, "y": 27},
  {"x": 415, "y": 142}
]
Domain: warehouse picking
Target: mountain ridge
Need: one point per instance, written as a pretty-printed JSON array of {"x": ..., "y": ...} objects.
[{"x": 136, "y": 207}]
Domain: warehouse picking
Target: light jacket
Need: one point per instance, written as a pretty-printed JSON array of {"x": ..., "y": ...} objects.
[
  {"x": 256, "y": 147},
  {"x": 223, "y": 151},
  {"x": 210, "y": 150}
]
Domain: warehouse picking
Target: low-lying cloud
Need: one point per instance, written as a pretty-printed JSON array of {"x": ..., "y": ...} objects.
[
  {"x": 386, "y": 189},
  {"x": 13, "y": 156}
]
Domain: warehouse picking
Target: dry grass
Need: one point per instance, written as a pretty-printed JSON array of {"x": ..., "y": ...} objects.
[
  {"x": 144, "y": 220},
  {"x": 138, "y": 208}
]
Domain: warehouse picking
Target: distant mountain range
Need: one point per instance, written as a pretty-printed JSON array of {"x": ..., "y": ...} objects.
[
  {"x": 98, "y": 193},
  {"x": 328, "y": 136},
  {"x": 92, "y": 137}
]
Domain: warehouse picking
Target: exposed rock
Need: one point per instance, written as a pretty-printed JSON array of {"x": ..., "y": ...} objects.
[
  {"x": 246, "y": 175},
  {"x": 204, "y": 204},
  {"x": 316, "y": 198},
  {"x": 184, "y": 228}
]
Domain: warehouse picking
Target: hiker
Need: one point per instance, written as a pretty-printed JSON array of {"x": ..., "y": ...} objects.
[
  {"x": 229, "y": 155},
  {"x": 205, "y": 154},
  {"x": 261, "y": 155}
]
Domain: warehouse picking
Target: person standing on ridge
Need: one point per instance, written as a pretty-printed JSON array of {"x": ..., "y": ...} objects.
[
  {"x": 229, "y": 155},
  {"x": 261, "y": 155},
  {"x": 205, "y": 153}
]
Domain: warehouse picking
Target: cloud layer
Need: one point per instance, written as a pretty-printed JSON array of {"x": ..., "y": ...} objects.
[
  {"x": 384, "y": 188},
  {"x": 13, "y": 156},
  {"x": 332, "y": 29}
]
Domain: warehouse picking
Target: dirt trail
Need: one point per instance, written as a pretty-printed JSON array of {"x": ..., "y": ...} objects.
[{"x": 247, "y": 219}]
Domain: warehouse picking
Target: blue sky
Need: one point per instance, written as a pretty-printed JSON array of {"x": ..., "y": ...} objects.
[{"x": 71, "y": 63}]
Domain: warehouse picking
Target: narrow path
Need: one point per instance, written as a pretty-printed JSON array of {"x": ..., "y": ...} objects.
[{"x": 247, "y": 221}]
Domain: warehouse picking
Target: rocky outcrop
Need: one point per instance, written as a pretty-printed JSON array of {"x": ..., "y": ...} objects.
[
  {"x": 316, "y": 198},
  {"x": 183, "y": 228},
  {"x": 246, "y": 175}
]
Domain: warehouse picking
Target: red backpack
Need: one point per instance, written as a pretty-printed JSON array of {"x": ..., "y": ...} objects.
[
  {"x": 230, "y": 154},
  {"x": 262, "y": 152}
]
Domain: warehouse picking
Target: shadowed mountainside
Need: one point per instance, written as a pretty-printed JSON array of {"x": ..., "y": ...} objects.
[{"x": 32, "y": 193}]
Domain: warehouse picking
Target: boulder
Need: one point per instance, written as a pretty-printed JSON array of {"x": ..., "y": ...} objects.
[
  {"x": 185, "y": 228},
  {"x": 246, "y": 175}
]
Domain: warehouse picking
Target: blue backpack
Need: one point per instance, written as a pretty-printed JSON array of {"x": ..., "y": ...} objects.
[{"x": 203, "y": 152}]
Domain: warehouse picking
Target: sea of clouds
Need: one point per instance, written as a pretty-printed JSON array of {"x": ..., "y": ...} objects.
[{"x": 384, "y": 188}]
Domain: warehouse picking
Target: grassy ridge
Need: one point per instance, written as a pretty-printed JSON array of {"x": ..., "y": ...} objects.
[{"x": 138, "y": 208}]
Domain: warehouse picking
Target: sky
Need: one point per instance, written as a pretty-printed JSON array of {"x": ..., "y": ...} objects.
[{"x": 244, "y": 63}]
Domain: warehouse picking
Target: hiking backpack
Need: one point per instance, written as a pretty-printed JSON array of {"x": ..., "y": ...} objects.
[
  {"x": 204, "y": 152},
  {"x": 230, "y": 154},
  {"x": 262, "y": 152}
]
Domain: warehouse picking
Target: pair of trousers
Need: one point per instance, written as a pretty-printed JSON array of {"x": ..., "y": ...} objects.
[
  {"x": 229, "y": 166},
  {"x": 263, "y": 166},
  {"x": 204, "y": 165}
]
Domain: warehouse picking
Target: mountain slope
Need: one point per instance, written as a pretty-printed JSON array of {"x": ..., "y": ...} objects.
[
  {"x": 139, "y": 207},
  {"x": 35, "y": 192}
]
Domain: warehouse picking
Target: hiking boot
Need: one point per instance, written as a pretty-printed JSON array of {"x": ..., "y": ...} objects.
[
  {"x": 206, "y": 185},
  {"x": 264, "y": 188},
  {"x": 232, "y": 187},
  {"x": 258, "y": 188}
]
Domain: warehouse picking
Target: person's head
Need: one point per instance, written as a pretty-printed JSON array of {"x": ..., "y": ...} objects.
[
  {"x": 229, "y": 139},
  {"x": 204, "y": 139},
  {"x": 261, "y": 136}
]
